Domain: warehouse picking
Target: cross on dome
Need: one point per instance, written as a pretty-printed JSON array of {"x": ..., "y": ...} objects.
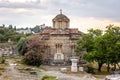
[{"x": 60, "y": 11}]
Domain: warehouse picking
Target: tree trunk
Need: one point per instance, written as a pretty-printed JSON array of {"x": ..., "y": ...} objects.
[
  {"x": 99, "y": 66},
  {"x": 108, "y": 68},
  {"x": 115, "y": 66}
]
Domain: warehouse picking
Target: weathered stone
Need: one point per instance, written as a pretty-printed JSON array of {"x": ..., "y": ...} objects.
[
  {"x": 33, "y": 72},
  {"x": 63, "y": 69},
  {"x": 60, "y": 41},
  {"x": 74, "y": 65}
]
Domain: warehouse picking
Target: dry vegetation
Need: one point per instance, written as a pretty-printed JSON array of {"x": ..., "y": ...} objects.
[{"x": 2, "y": 68}]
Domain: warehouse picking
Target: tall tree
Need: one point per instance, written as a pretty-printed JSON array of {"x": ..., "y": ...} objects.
[
  {"x": 102, "y": 48},
  {"x": 87, "y": 42},
  {"x": 112, "y": 37}
]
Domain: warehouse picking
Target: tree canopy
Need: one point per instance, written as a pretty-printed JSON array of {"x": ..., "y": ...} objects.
[
  {"x": 8, "y": 33},
  {"x": 31, "y": 48},
  {"x": 101, "y": 48}
]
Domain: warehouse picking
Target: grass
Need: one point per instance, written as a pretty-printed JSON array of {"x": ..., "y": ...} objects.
[
  {"x": 5, "y": 44},
  {"x": 2, "y": 65},
  {"x": 102, "y": 74},
  {"x": 19, "y": 63},
  {"x": 48, "y": 77},
  {"x": 42, "y": 69},
  {"x": 2, "y": 68},
  {"x": 15, "y": 58}
]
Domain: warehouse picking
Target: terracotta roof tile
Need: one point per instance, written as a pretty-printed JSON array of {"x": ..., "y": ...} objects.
[
  {"x": 47, "y": 31},
  {"x": 66, "y": 31},
  {"x": 74, "y": 30}
]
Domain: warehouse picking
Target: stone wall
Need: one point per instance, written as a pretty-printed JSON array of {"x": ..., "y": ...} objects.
[
  {"x": 8, "y": 51},
  {"x": 67, "y": 45}
]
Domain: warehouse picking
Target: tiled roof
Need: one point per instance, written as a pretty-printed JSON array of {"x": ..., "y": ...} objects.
[
  {"x": 74, "y": 30},
  {"x": 61, "y": 31},
  {"x": 61, "y": 17},
  {"x": 47, "y": 31}
]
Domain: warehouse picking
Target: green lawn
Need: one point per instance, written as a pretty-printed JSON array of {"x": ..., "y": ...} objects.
[{"x": 48, "y": 77}]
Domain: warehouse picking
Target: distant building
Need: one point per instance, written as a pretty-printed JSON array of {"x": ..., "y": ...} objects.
[
  {"x": 60, "y": 41},
  {"x": 24, "y": 31},
  {"x": 39, "y": 28}
]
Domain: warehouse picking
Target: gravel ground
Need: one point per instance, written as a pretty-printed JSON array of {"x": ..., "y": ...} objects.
[{"x": 12, "y": 73}]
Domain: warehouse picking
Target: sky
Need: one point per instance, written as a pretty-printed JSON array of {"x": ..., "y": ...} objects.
[{"x": 83, "y": 14}]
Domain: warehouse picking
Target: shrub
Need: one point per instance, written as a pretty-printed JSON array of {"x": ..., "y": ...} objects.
[
  {"x": 22, "y": 49},
  {"x": 2, "y": 60},
  {"x": 47, "y": 77},
  {"x": 32, "y": 58},
  {"x": 90, "y": 70}
]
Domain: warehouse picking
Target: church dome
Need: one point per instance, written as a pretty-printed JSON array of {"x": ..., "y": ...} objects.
[
  {"x": 61, "y": 17},
  {"x": 61, "y": 21}
]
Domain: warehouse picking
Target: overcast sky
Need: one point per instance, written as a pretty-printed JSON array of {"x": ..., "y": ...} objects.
[{"x": 83, "y": 14}]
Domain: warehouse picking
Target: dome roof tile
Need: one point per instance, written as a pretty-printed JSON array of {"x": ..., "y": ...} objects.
[{"x": 61, "y": 17}]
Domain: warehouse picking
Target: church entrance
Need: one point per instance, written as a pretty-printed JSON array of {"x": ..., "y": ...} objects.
[{"x": 59, "y": 56}]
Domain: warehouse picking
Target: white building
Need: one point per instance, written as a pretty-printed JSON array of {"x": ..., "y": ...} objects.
[{"x": 24, "y": 31}]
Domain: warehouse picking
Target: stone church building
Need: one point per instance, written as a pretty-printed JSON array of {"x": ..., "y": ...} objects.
[{"x": 60, "y": 41}]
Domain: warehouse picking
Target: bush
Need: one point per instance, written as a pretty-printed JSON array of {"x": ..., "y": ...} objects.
[
  {"x": 90, "y": 70},
  {"x": 32, "y": 58},
  {"x": 2, "y": 60},
  {"x": 47, "y": 77},
  {"x": 22, "y": 49}
]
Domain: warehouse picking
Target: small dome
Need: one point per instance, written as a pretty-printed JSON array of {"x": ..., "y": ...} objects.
[{"x": 61, "y": 17}]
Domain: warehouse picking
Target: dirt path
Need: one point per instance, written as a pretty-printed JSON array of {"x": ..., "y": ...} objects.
[{"x": 12, "y": 73}]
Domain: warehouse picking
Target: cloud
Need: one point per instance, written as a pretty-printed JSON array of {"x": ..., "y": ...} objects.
[
  {"x": 102, "y": 9},
  {"x": 28, "y": 5},
  {"x": 89, "y": 8},
  {"x": 85, "y": 24},
  {"x": 84, "y": 14}
]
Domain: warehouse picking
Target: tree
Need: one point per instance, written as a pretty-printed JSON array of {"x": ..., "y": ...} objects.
[
  {"x": 99, "y": 52},
  {"x": 102, "y": 48},
  {"x": 32, "y": 58},
  {"x": 112, "y": 37},
  {"x": 9, "y": 33},
  {"x": 22, "y": 48},
  {"x": 1, "y": 37},
  {"x": 34, "y": 55},
  {"x": 35, "y": 43},
  {"x": 88, "y": 42},
  {"x": 14, "y": 28},
  {"x": 10, "y": 26}
]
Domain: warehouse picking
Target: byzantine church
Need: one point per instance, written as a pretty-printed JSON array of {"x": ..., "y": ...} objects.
[{"x": 60, "y": 40}]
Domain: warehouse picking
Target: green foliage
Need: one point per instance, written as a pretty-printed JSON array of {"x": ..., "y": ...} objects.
[
  {"x": 112, "y": 38},
  {"x": 102, "y": 48},
  {"x": 9, "y": 33},
  {"x": 28, "y": 34},
  {"x": 47, "y": 77},
  {"x": 32, "y": 58},
  {"x": 2, "y": 60},
  {"x": 31, "y": 50},
  {"x": 22, "y": 48},
  {"x": 90, "y": 70},
  {"x": 89, "y": 57},
  {"x": 87, "y": 40}
]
